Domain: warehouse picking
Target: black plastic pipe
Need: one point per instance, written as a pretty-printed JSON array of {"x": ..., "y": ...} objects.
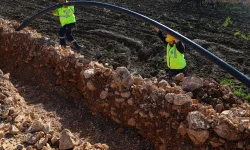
[{"x": 238, "y": 75}]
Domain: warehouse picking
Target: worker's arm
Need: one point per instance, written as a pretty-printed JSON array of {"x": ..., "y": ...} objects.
[
  {"x": 180, "y": 46},
  {"x": 161, "y": 36}
]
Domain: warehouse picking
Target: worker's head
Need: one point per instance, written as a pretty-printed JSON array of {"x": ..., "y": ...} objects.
[
  {"x": 61, "y": 1},
  {"x": 170, "y": 39}
]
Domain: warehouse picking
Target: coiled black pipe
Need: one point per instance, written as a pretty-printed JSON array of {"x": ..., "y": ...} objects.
[{"x": 238, "y": 75}]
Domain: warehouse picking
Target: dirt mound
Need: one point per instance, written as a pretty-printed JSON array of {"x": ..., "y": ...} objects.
[{"x": 191, "y": 112}]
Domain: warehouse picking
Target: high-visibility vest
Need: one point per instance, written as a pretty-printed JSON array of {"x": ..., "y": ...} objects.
[
  {"x": 174, "y": 59},
  {"x": 66, "y": 15}
]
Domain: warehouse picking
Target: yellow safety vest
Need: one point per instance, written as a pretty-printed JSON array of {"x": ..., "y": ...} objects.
[
  {"x": 174, "y": 59},
  {"x": 66, "y": 15}
]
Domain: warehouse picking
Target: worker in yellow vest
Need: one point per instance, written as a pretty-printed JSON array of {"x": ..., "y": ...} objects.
[
  {"x": 174, "y": 54},
  {"x": 68, "y": 21}
]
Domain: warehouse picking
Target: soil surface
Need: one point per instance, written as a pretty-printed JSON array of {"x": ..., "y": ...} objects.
[{"x": 121, "y": 40}]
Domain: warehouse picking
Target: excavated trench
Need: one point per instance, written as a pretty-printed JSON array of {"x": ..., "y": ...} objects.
[{"x": 184, "y": 113}]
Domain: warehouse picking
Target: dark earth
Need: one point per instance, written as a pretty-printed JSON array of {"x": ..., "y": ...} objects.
[{"x": 120, "y": 40}]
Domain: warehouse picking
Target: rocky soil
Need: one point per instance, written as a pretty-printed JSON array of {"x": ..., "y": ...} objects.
[{"x": 30, "y": 126}]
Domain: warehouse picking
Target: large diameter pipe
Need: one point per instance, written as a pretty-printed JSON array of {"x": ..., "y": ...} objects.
[{"x": 234, "y": 72}]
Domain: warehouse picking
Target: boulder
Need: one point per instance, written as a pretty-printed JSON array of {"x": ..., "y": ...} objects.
[
  {"x": 88, "y": 73},
  {"x": 227, "y": 132},
  {"x": 36, "y": 126},
  {"x": 192, "y": 83},
  {"x": 181, "y": 99},
  {"x": 67, "y": 140},
  {"x": 196, "y": 120},
  {"x": 13, "y": 130},
  {"x": 123, "y": 78},
  {"x": 41, "y": 143},
  {"x": 198, "y": 137}
]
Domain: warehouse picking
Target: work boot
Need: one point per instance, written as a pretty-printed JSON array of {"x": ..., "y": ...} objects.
[
  {"x": 63, "y": 43},
  {"x": 77, "y": 46}
]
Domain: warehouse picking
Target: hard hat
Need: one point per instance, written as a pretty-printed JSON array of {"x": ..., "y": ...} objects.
[{"x": 169, "y": 38}]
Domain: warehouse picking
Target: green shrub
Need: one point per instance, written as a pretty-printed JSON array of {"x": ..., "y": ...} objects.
[
  {"x": 237, "y": 33},
  {"x": 228, "y": 82},
  {"x": 227, "y": 21},
  {"x": 190, "y": 26},
  {"x": 247, "y": 97},
  {"x": 243, "y": 36},
  {"x": 239, "y": 93},
  {"x": 237, "y": 90}
]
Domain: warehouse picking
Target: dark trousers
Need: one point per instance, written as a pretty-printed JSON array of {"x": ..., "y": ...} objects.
[
  {"x": 174, "y": 72},
  {"x": 65, "y": 32}
]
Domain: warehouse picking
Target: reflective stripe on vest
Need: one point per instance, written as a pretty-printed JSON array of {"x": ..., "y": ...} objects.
[
  {"x": 66, "y": 15},
  {"x": 174, "y": 59}
]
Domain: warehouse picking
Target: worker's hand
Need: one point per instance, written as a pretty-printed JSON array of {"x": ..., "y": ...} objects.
[
  {"x": 156, "y": 29},
  {"x": 176, "y": 41}
]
